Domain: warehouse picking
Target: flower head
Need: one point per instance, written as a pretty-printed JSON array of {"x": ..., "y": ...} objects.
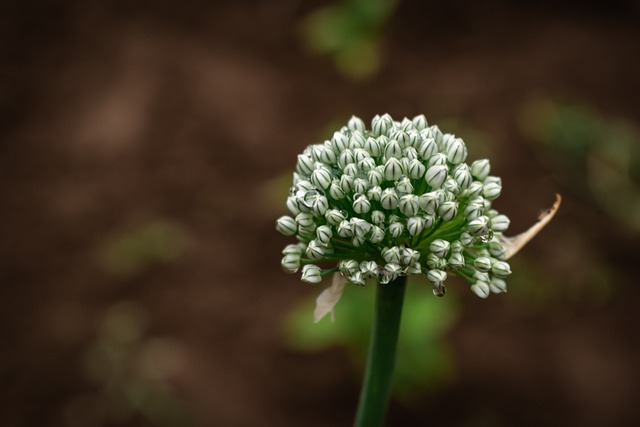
[{"x": 395, "y": 200}]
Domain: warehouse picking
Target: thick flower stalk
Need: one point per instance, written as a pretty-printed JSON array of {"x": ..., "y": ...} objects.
[{"x": 395, "y": 200}]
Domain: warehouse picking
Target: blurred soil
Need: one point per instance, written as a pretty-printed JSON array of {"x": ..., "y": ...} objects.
[{"x": 119, "y": 117}]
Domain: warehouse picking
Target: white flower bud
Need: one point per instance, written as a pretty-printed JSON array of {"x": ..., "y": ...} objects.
[
  {"x": 402, "y": 137},
  {"x": 473, "y": 211},
  {"x": 360, "y": 185},
  {"x": 356, "y": 141},
  {"x": 462, "y": 176},
  {"x": 324, "y": 234},
  {"x": 358, "y": 241},
  {"x": 437, "y": 276},
  {"x": 339, "y": 142},
  {"x": 381, "y": 125},
  {"x": 390, "y": 272},
  {"x": 346, "y": 183},
  {"x": 355, "y": 124},
  {"x": 293, "y": 249},
  {"x": 360, "y": 154},
  {"x": 357, "y": 278},
  {"x": 427, "y": 149},
  {"x": 394, "y": 218},
  {"x": 320, "y": 206},
  {"x": 305, "y": 165},
  {"x": 382, "y": 141},
  {"x": 346, "y": 158},
  {"x": 420, "y": 122},
  {"x": 448, "y": 211},
  {"x": 335, "y": 191},
  {"x": 361, "y": 204},
  {"x": 392, "y": 169},
  {"x": 292, "y": 205},
  {"x": 403, "y": 185},
  {"x": 408, "y": 204},
  {"x": 482, "y": 264},
  {"x": 409, "y": 256},
  {"x": 360, "y": 227},
  {"x": 374, "y": 193},
  {"x": 316, "y": 151},
  {"x": 500, "y": 223},
  {"x": 345, "y": 229},
  {"x": 481, "y": 289},
  {"x": 451, "y": 186},
  {"x": 377, "y": 217},
  {"x": 334, "y": 216},
  {"x": 456, "y": 260},
  {"x": 492, "y": 190},
  {"x": 393, "y": 149},
  {"x": 311, "y": 274},
  {"x": 415, "y": 268},
  {"x": 429, "y": 202},
  {"x": 456, "y": 246},
  {"x": 348, "y": 267},
  {"x": 286, "y": 225},
  {"x": 456, "y": 151},
  {"x": 414, "y": 139},
  {"x": 373, "y": 147},
  {"x": 405, "y": 125},
  {"x": 351, "y": 169},
  {"x": 389, "y": 199},
  {"x": 433, "y": 261},
  {"x": 290, "y": 263},
  {"x": 366, "y": 165},
  {"x": 498, "y": 286},
  {"x": 480, "y": 169},
  {"x": 307, "y": 232},
  {"x": 479, "y": 226},
  {"x": 436, "y": 175},
  {"x": 391, "y": 254},
  {"x": 437, "y": 159},
  {"x": 327, "y": 155},
  {"x": 501, "y": 269},
  {"x": 416, "y": 169},
  {"x": 439, "y": 247},
  {"x": 376, "y": 176},
  {"x": 377, "y": 235},
  {"x": 496, "y": 249},
  {"x": 315, "y": 250},
  {"x": 466, "y": 239},
  {"x": 475, "y": 189},
  {"x": 321, "y": 178},
  {"x": 396, "y": 229},
  {"x": 369, "y": 269},
  {"x": 415, "y": 225},
  {"x": 305, "y": 219}
]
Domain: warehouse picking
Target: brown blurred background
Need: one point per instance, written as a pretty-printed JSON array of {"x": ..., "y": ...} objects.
[{"x": 146, "y": 149}]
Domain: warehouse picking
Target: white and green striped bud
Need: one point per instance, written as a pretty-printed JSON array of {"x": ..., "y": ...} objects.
[
  {"x": 357, "y": 278},
  {"x": 456, "y": 151},
  {"x": 435, "y": 262},
  {"x": 348, "y": 267},
  {"x": 482, "y": 264},
  {"x": 481, "y": 289},
  {"x": 305, "y": 165},
  {"x": 374, "y": 193},
  {"x": 473, "y": 211},
  {"x": 324, "y": 234},
  {"x": 415, "y": 225},
  {"x": 327, "y": 155},
  {"x": 369, "y": 269},
  {"x": 392, "y": 169},
  {"x": 373, "y": 147},
  {"x": 475, "y": 189},
  {"x": 377, "y": 235},
  {"x": 409, "y": 256},
  {"x": 403, "y": 185},
  {"x": 315, "y": 250},
  {"x": 351, "y": 169},
  {"x": 360, "y": 227},
  {"x": 466, "y": 239},
  {"x": 346, "y": 183},
  {"x": 339, "y": 142},
  {"x": 311, "y": 274},
  {"x": 321, "y": 178},
  {"x": 448, "y": 210},
  {"x": 335, "y": 191},
  {"x": 416, "y": 169},
  {"x": 293, "y": 249},
  {"x": 334, "y": 216},
  {"x": 437, "y": 159},
  {"x": 286, "y": 225},
  {"x": 389, "y": 199},
  {"x": 436, "y": 175},
  {"x": 393, "y": 149},
  {"x": 319, "y": 206},
  {"x": 429, "y": 202},
  {"x": 427, "y": 149},
  {"x": 305, "y": 219},
  {"x": 360, "y": 185},
  {"x": 420, "y": 122},
  {"x": 492, "y": 190},
  {"x": 479, "y": 226},
  {"x": 392, "y": 254},
  {"x": 366, "y": 165},
  {"x": 396, "y": 229},
  {"x": 462, "y": 176},
  {"x": 292, "y": 205},
  {"x": 390, "y": 272},
  {"x": 356, "y": 141},
  {"x": 360, "y": 154},
  {"x": 451, "y": 186},
  {"x": 345, "y": 229},
  {"x": 456, "y": 260},
  {"x": 358, "y": 241},
  {"x": 437, "y": 276},
  {"x": 355, "y": 124},
  {"x": 501, "y": 269},
  {"x": 408, "y": 205},
  {"x": 496, "y": 249},
  {"x": 290, "y": 263},
  {"x": 500, "y": 223},
  {"x": 376, "y": 176},
  {"x": 497, "y": 286},
  {"x": 378, "y": 217},
  {"x": 345, "y": 158},
  {"x": 480, "y": 169},
  {"x": 439, "y": 248}
]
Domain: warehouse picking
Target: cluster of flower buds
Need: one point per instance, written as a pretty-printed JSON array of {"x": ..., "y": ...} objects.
[{"x": 391, "y": 201}]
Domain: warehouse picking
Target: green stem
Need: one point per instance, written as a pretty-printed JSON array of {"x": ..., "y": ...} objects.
[{"x": 376, "y": 388}]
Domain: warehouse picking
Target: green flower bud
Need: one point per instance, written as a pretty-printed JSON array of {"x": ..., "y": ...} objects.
[
  {"x": 497, "y": 286},
  {"x": 482, "y": 264},
  {"x": 373, "y": 147},
  {"x": 456, "y": 151},
  {"x": 358, "y": 241},
  {"x": 286, "y": 225},
  {"x": 324, "y": 234},
  {"x": 392, "y": 169},
  {"x": 415, "y": 225},
  {"x": 501, "y": 269},
  {"x": 396, "y": 229},
  {"x": 427, "y": 149},
  {"x": 369, "y": 269},
  {"x": 448, "y": 210},
  {"x": 439, "y": 248},
  {"x": 436, "y": 175},
  {"x": 437, "y": 276},
  {"x": 500, "y": 223},
  {"x": 345, "y": 229},
  {"x": 456, "y": 246},
  {"x": 481, "y": 289},
  {"x": 435, "y": 262},
  {"x": 403, "y": 185},
  {"x": 408, "y": 204},
  {"x": 355, "y": 124},
  {"x": 290, "y": 263},
  {"x": 311, "y": 274},
  {"x": 480, "y": 169},
  {"x": 496, "y": 249},
  {"x": 389, "y": 199}
]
